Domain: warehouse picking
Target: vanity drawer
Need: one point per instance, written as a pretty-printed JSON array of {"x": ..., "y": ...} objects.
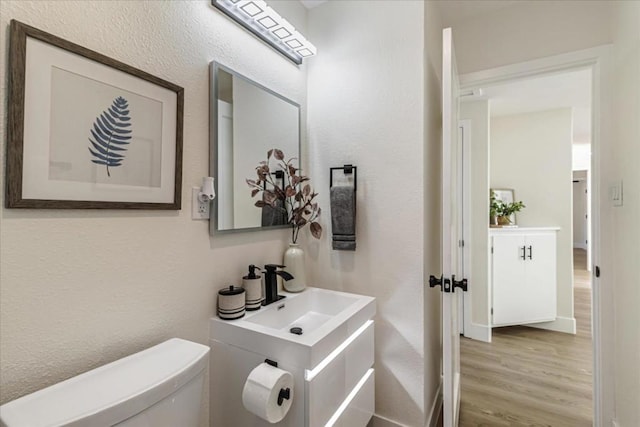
[
  {"x": 360, "y": 405},
  {"x": 330, "y": 383}
]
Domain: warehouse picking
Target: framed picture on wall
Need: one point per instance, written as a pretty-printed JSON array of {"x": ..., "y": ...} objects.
[{"x": 87, "y": 131}]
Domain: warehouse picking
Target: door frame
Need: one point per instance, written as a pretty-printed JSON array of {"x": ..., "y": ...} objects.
[{"x": 598, "y": 60}]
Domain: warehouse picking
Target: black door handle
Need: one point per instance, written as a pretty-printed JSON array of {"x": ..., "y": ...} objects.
[
  {"x": 434, "y": 281},
  {"x": 524, "y": 250},
  {"x": 445, "y": 284},
  {"x": 462, "y": 284},
  {"x": 530, "y": 252}
]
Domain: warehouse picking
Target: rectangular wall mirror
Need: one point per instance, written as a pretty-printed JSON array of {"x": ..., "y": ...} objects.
[{"x": 246, "y": 120}]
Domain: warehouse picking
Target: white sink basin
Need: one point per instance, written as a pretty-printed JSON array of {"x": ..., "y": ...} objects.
[{"x": 326, "y": 318}]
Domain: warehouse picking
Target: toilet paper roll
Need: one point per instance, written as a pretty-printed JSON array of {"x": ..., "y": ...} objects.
[{"x": 261, "y": 391}]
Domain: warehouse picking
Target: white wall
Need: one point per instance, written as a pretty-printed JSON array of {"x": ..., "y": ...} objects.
[
  {"x": 366, "y": 107},
  {"x": 432, "y": 171},
  {"x": 478, "y": 113},
  {"x": 528, "y": 30},
  {"x": 531, "y": 153},
  {"x": 81, "y": 288},
  {"x": 625, "y": 156}
]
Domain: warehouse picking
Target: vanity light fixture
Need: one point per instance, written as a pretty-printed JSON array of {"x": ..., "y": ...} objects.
[{"x": 267, "y": 25}]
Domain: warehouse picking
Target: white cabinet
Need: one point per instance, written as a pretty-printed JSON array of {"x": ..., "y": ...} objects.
[{"x": 523, "y": 276}]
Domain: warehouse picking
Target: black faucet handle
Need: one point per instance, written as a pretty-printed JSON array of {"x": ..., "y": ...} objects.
[{"x": 273, "y": 267}]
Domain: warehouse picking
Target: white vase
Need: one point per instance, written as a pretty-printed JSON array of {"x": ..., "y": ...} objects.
[{"x": 294, "y": 264}]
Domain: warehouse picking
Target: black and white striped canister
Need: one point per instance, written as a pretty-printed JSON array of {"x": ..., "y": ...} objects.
[{"x": 231, "y": 303}]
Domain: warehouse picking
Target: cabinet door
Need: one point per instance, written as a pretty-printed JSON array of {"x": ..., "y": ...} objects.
[
  {"x": 540, "y": 273},
  {"x": 508, "y": 279}
]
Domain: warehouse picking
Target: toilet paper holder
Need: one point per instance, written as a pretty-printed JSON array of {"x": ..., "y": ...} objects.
[{"x": 285, "y": 393}]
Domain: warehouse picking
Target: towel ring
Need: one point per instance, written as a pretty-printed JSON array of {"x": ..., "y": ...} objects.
[{"x": 348, "y": 170}]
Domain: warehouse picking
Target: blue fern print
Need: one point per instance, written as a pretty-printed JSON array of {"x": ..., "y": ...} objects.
[{"x": 110, "y": 134}]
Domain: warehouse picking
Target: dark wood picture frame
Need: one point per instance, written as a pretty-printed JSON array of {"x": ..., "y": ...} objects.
[{"x": 19, "y": 33}]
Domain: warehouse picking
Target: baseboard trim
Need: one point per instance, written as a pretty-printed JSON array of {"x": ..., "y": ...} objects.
[
  {"x": 478, "y": 332},
  {"x": 434, "y": 413},
  {"x": 380, "y": 421},
  {"x": 432, "y": 419},
  {"x": 561, "y": 324}
]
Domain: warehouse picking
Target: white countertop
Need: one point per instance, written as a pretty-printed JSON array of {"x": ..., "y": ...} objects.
[{"x": 521, "y": 229}]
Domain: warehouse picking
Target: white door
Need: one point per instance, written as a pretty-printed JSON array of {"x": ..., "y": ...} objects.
[
  {"x": 449, "y": 240},
  {"x": 540, "y": 276},
  {"x": 508, "y": 256}
]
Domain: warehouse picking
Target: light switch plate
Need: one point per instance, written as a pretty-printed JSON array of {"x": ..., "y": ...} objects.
[{"x": 615, "y": 193}]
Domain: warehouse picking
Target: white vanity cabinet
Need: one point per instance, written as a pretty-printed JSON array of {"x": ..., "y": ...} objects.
[{"x": 523, "y": 275}]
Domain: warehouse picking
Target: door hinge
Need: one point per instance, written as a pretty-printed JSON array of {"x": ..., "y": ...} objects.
[
  {"x": 597, "y": 271},
  {"x": 461, "y": 243}
]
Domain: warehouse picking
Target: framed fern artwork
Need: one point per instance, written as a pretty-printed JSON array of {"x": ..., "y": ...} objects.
[{"x": 87, "y": 131}]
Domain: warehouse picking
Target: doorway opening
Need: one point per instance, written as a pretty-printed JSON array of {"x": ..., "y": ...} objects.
[{"x": 522, "y": 362}]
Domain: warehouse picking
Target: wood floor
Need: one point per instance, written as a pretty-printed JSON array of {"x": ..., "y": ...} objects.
[{"x": 531, "y": 377}]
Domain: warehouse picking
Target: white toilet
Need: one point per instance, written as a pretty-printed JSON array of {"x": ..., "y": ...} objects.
[{"x": 158, "y": 387}]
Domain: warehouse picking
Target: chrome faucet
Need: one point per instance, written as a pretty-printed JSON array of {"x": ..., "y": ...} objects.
[{"x": 271, "y": 282}]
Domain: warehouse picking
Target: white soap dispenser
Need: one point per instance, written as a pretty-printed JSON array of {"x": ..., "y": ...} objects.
[{"x": 252, "y": 284}]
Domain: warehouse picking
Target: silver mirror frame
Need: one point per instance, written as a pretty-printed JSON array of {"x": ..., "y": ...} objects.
[{"x": 214, "y": 67}]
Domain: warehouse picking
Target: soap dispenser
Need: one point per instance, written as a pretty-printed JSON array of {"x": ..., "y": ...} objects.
[{"x": 252, "y": 284}]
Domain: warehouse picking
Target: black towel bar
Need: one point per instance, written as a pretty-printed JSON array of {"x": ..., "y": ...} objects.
[{"x": 348, "y": 170}]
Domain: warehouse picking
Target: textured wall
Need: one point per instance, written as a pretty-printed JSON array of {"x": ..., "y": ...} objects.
[
  {"x": 80, "y": 288},
  {"x": 366, "y": 107},
  {"x": 626, "y": 231},
  {"x": 529, "y": 29},
  {"x": 432, "y": 173}
]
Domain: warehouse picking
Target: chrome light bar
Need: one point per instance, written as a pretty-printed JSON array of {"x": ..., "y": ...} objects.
[{"x": 269, "y": 26}]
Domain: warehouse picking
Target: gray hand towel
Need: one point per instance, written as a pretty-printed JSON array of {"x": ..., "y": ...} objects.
[
  {"x": 344, "y": 246},
  {"x": 343, "y": 217}
]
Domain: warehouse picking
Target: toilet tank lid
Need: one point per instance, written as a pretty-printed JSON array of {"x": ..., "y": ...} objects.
[{"x": 113, "y": 392}]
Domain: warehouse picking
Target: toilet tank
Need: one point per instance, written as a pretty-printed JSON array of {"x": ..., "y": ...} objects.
[{"x": 160, "y": 386}]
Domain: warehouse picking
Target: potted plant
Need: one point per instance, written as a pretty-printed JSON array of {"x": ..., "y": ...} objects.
[
  {"x": 295, "y": 198},
  {"x": 500, "y": 212}
]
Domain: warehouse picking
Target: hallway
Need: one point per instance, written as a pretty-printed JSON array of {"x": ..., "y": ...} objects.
[{"x": 531, "y": 377}]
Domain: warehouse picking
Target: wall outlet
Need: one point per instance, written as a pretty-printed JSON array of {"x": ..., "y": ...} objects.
[{"x": 199, "y": 210}]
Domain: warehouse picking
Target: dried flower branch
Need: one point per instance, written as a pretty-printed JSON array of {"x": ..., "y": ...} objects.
[{"x": 296, "y": 196}]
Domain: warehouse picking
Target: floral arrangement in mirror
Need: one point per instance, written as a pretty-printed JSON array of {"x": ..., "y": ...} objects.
[{"x": 287, "y": 192}]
